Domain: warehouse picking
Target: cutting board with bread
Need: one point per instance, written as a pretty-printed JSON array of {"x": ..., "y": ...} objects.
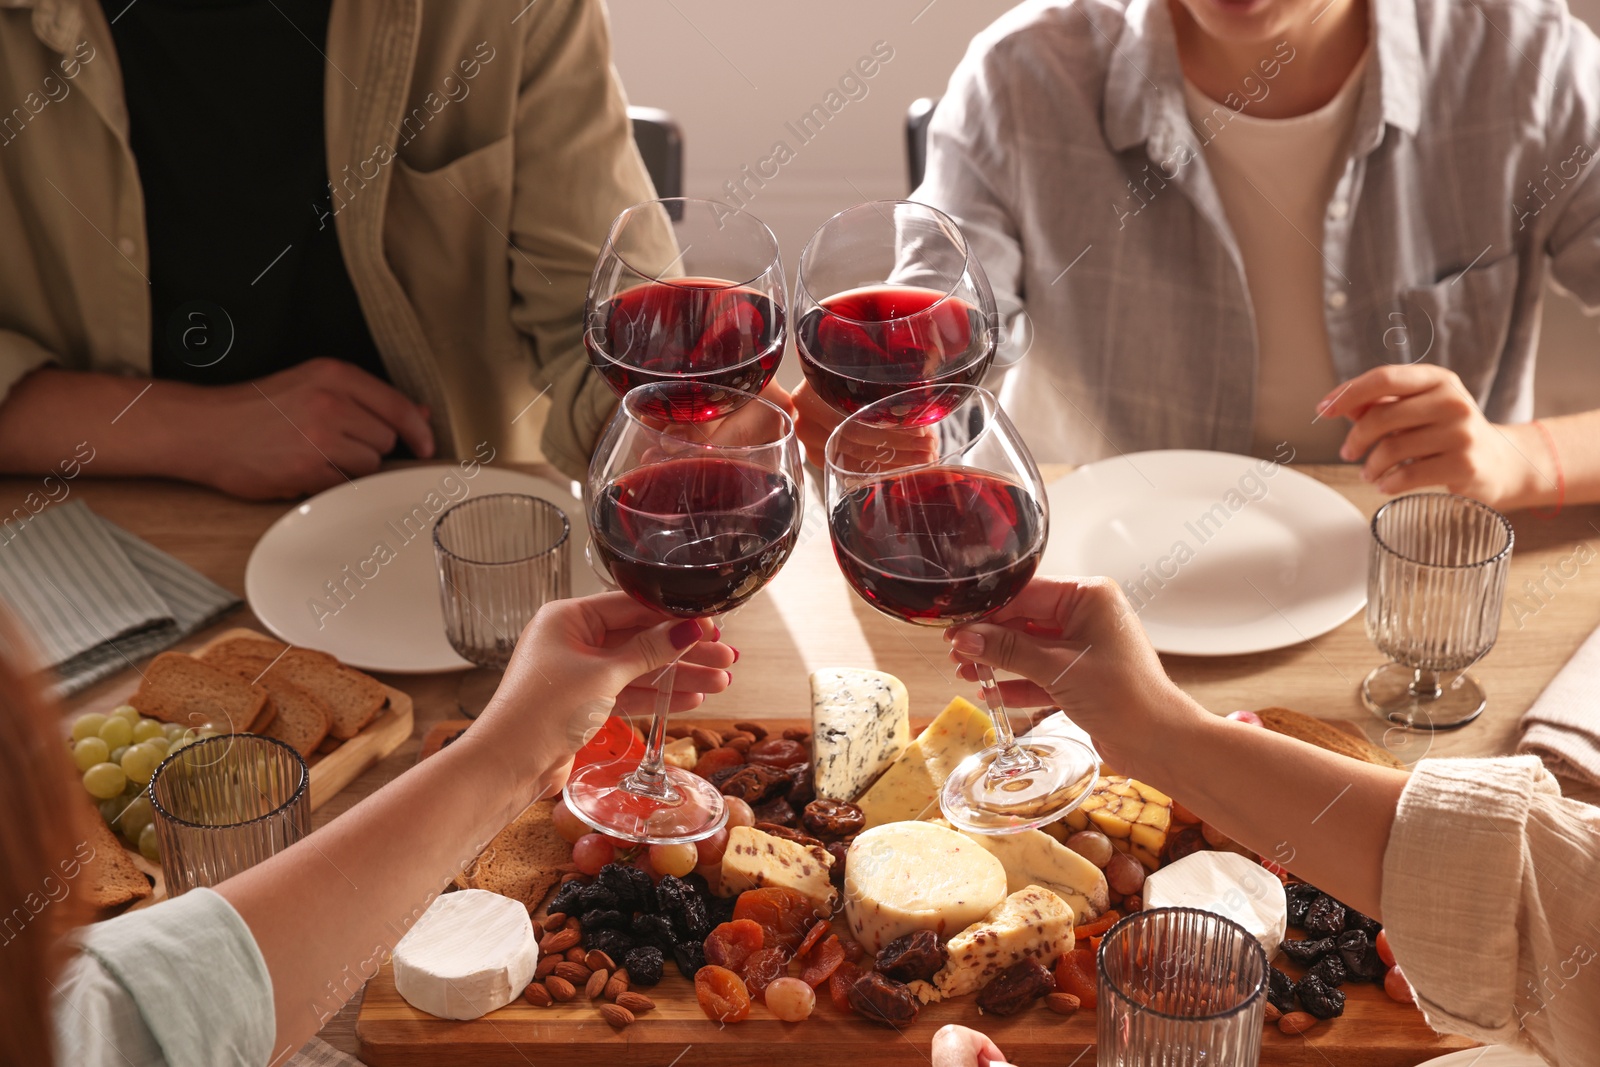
[{"x": 841, "y": 918}]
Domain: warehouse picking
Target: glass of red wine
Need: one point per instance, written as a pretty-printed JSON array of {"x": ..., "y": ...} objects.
[
  {"x": 889, "y": 297},
  {"x": 692, "y": 519},
  {"x": 944, "y": 523},
  {"x": 687, "y": 290}
]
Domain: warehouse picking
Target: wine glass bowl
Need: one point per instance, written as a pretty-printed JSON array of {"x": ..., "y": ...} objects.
[
  {"x": 688, "y": 290},
  {"x": 889, "y": 297}
]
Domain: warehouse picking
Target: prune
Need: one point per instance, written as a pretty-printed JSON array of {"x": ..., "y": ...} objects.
[
  {"x": 690, "y": 956},
  {"x": 1308, "y": 951},
  {"x": 1354, "y": 920},
  {"x": 1318, "y": 999},
  {"x": 1325, "y": 917},
  {"x": 630, "y": 885},
  {"x": 606, "y": 919},
  {"x": 776, "y": 752},
  {"x": 720, "y": 910},
  {"x": 670, "y": 893},
  {"x": 568, "y": 899},
  {"x": 913, "y": 957},
  {"x": 1329, "y": 969},
  {"x": 752, "y": 783},
  {"x": 777, "y": 810},
  {"x": 1360, "y": 955},
  {"x": 804, "y": 790},
  {"x": 799, "y": 837},
  {"x": 686, "y": 908},
  {"x": 654, "y": 930},
  {"x": 883, "y": 1000},
  {"x": 614, "y": 943},
  {"x": 833, "y": 818},
  {"x": 1280, "y": 990},
  {"x": 644, "y": 965},
  {"x": 597, "y": 897},
  {"x": 1016, "y": 987},
  {"x": 1299, "y": 896}
]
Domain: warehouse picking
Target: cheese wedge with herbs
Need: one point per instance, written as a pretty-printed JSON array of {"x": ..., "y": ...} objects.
[
  {"x": 909, "y": 789},
  {"x": 910, "y": 876},
  {"x": 754, "y": 859},
  {"x": 1033, "y": 923},
  {"x": 1034, "y": 858},
  {"x": 860, "y": 724},
  {"x": 1136, "y": 817}
]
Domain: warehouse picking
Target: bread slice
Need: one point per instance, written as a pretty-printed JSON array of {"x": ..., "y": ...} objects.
[
  {"x": 109, "y": 878},
  {"x": 299, "y": 719},
  {"x": 524, "y": 860},
  {"x": 353, "y": 698},
  {"x": 179, "y": 688},
  {"x": 1325, "y": 735}
]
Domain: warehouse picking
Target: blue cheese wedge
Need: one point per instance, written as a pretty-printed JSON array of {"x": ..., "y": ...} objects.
[
  {"x": 1033, "y": 923},
  {"x": 860, "y": 724},
  {"x": 755, "y": 859}
]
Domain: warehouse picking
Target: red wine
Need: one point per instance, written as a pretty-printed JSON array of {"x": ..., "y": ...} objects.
[
  {"x": 696, "y": 537},
  {"x": 867, "y": 344},
  {"x": 939, "y": 544},
  {"x": 716, "y": 336}
]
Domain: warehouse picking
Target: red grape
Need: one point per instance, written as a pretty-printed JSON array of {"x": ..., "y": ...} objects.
[
  {"x": 739, "y": 812},
  {"x": 710, "y": 849},
  {"x": 567, "y": 825},
  {"x": 1124, "y": 874},
  {"x": 1394, "y": 984},
  {"x": 591, "y": 852},
  {"x": 1385, "y": 953}
]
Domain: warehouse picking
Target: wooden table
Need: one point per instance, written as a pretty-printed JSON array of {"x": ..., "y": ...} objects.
[{"x": 808, "y": 619}]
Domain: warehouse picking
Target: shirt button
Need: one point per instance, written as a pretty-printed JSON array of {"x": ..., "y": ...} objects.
[
  {"x": 128, "y": 246},
  {"x": 1337, "y": 299},
  {"x": 1339, "y": 209}
]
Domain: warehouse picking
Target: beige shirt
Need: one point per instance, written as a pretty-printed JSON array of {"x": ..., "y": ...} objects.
[
  {"x": 1276, "y": 179},
  {"x": 478, "y": 153}
]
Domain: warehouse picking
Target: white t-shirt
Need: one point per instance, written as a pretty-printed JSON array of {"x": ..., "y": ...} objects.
[{"x": 1275, "y": 178}]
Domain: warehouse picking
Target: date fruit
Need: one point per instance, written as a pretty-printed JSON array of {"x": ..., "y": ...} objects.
[
  {"x": 913, "y": 957},
  {"x": 1015, "y": 988},
  {"x": 833, "y": 818},
  {"x": 883, "y": 1000}
]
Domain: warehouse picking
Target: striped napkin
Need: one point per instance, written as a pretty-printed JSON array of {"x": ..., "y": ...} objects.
[
  {"x": 1563, "y": 726},
  {"x": 96, "y": 598}
]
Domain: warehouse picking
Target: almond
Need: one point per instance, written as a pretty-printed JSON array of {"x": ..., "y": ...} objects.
[
  {"x": 537, "y": 995},
  {"x": 579, "y": 954},
  {"x": 1297, "y": 1022},
  {"x": 617, "y": 1017},
  {"x": 558, "y": 942},
  {"x": 678, "y": 732},
  {"x": 1062, "y": 1003},
  {"x": 754, "y": 729},
  {"x": 637, "y": 1003},
  {"x": 618, "y": 984},
  {"x": 576, "y": 973},
  {"x": 795, "y": 733},
  {"x": 596, "y": 960},
  {"x": 596, "y": 984},
  {"x": 705, "y": 739},
  {"x": 571, "y": 876},
  {"x": 560, "y": 988},
  {"x": 554, "y": 921},
  {"x": 1132, "y": 904},
  {"x": 1272, "y": 1013},
  {"x": 547, "y": 966},
  {"x": 740, "y": 744},
  {"x": 572, "y": 923}
]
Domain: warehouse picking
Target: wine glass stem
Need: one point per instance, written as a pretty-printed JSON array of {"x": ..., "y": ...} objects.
[
  {"x": 650, "y": 777},
  {"x": 1013, "y": 758},
  {"x": 1425, "y": 684}
]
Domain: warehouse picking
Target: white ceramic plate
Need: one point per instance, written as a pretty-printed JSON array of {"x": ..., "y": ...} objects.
[
  {"x": 1221, "y": 555},
  {"x": 381, "y": 615}
]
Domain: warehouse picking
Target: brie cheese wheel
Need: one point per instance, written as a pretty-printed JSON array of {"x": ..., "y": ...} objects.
[
  {"x": 903, "y": 877},
  {"x": 471, "y": 952},
  {"x": 1226, "y": 884}
]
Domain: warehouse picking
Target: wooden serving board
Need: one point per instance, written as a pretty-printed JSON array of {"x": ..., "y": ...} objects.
[{"x": 1374, "y": 1031}]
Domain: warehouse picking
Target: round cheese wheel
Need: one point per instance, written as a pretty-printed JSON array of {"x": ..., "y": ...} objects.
[
  {"x": 1228, "y": 885},
  {"x": 902, "y": 877},
  {"x": 471, "y": 952}
]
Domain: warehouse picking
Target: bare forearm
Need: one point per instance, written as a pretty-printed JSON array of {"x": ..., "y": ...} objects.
[
  {"x": 1577, "y": 443},
  {"x": 132, "y": 424},
  {"x": 327, "y": 911},
  {"x": 1323, "y": 816}
]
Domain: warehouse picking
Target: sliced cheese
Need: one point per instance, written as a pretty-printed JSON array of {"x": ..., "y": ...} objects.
[
  {"x": 1135, "y": 816},
  {"x": 860, "y": 724},
  {"x": 908, "y": 876},
  {"x": 1226, "y": 884},
  {"x": 1033, "y": 857},
  {"x": 1033, "y": 923},
  {"x": 681, "y": 753},
  {"x": 754, "y": 859},
  {"x": 471, "y": 952},
  {"x": 909, "y": 789}
]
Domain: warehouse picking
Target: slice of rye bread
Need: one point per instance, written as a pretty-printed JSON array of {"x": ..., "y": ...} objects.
[
  {"x": 300, "y": 719},
  {"x": 179, "y": 688},
  {"x": 524, "y": 860},
  {"x": 353, "y": 698},
  {"x": 109, "y": 878},
  {"x": 1325, "y": 735}
]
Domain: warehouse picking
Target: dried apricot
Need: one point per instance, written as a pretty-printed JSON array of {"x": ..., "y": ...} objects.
[
  {"x": 1098, "y": 926},
  {"x": 730, "y": 944},
  {"x": 1075, "y": 974},
  {"x": 762, "y": 968},
  {"x": 717, "y": 759},
  {"x": 821, "y": 962},
  {"x": 839, "y": 983},
  {"x": 783, "y": 914},
  {"x": 818, "y": 931},
  {"x": 722, "y": 995}
]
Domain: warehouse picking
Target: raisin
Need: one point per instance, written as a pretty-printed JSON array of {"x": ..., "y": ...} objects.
[
  {"x": 787, "y": 833},
  {"x": 649, "y": 929},
  {"x": 731, "y": 943},
  {"x": 1016, "y": 987},
  {"x": 1329, "y": 970},
  {"x": 1280, "y": 990},
  {"x": 1308, "y": 951},
  {"x": 594, "y": 921},
  {"x": 883, "y": 1000},
  {"x": 833, "y": 818},
  {"x": 822, "y": 962},
  {"x": 690, "y": 956},
  {"x": 1354, "y": 920},
  {"x": 644, "y": 965},
  {"x": 777, "y": 810},
  {"x": 777, "y": 752},
  {"x": 630, "y": 885},
  {"x": 596, "y": 897},
  {"x": 804, "y": 789},
  {"x": 722, "y": 995},
  {"x": 1318, "y": 999},
  {"x": 1299, "y": 896},
  {"x": 1325, "y": 917},
  {"x": 1360, "y": 955},
  {"x": 568, "y": 899},
  {"x": 753, "y": 784},
  {"x": 614, "y": 943},
  {"x": 914, "y": 957},
  {"x": 762, "y": 968}
]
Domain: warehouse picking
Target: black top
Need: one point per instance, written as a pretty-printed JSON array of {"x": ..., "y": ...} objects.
[{"x": 225, "y": 103}]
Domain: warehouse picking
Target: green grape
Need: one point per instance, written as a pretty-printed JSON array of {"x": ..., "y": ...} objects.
[
  {"x": 136, "y": 815},
  {"x": 173, "y": 730},
  {"x": 116, "y": 731},
  {"x": 104, "y": 780},
  {"x": 129, "y": 712},
  {"x": 117, "y": 754},
  {"x": 205, "y": 732},
  {"x": 179, "y": 745},
  {"x": 139, "y": 763},
  {"x": 148, "y": 730},
  {"x": 147, "y": 844},
  {"x": 89, "y": 751},
  {"x": 87, "y": 725},
  {"x": 111, "y": 809},
  {"x": 160, "y": 744}
]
